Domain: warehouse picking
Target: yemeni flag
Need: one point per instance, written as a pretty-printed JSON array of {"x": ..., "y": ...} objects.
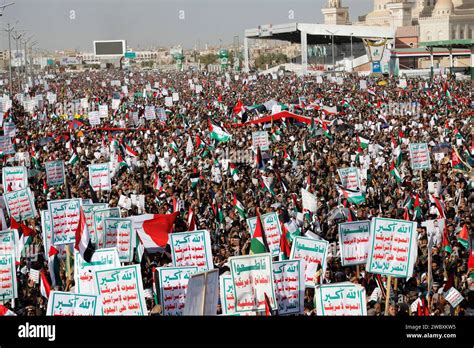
[
  {"x": 326, "y": 132},
  {"x": 417, "y": 208},
  {"x": 352, "y": 196},
  {"x": 129, "y": 151},
  {"x": 45, "y": 288},
  {"x": 73, "y": 160},
  {"x": 394, "y": 172},
  {"x": 257, "y": 244},
  {"x": 191, "y": 220},
  {"x": 157, "y": 185},
  {"x": 54, "y": 266},
  {"x": 83, "y": 238},
  {"x": 233, "y": 171},
  {"x": 153, "y": 229},
  {"x": 463, "y": 237},
  {"x": 5, "y": 312},
  {"x": 285, "y": 249},
  {"x": 363, "y": 143},
  {"x": 218, "y": 133},
  {"x": 25, "y": 236}
]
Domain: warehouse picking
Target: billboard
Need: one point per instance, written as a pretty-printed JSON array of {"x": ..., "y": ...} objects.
[{"x": 109, "y": 48}]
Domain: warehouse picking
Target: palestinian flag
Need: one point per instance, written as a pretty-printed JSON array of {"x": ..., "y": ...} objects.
[
  {"x": 218, "y": 133},
  {"x": 417, "y": 214},
  {"x": 439, "y": 205},
  {"x": 199, "y": 143},
  {"x": 195, "y": 178},
  {"x": 153, "y": 229},
  {"x": 285, "y": 249},
  {"x": 446, "y": 129},
  {"x": 173, "y": 146},
  {"x": 406, "y": 214},
  {"x": 456, "y": 161},
  {"x": 73, "y": 160},
  {"x": 470, "y": 260},
  {"x": 233, "y": 171},
  {"x": 326, "y": 132},
  {"x": 352, "y": 196},
  {"x": 268, "y": 306},
  {"x": 286, "y": 156},
  {"x": 121, "y": 162},
  {"x": 129, "y": 151},
  {"x": 268, "y": 184},
  {"x": 408, "y": 202},
  {"x": 239, "y": 208},
  {"x": 394, "y": 172},
  {"x": 257, "y": 244},
  {"x": 363, "y": 143},
  {"x": 83, "y": 238},
  {"x": 25, "y": 236},
  {"x": 318, "y": 274},
  {"x": 463, "y": 237},
  {"x": 45, "y": 288},
  {"x": 445, "y": 243},
  {"x": 239, "y": 108},
  {"x": 54, "y": 266},
  {"x": 157, "y": 185},
  {"x": 458, "y": 135},
  {"x": 276, "y": 134},
  {"x": 45, "y": 186}
]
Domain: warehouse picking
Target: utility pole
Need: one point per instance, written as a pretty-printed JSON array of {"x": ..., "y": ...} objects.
[
  {"x": 352, "y": 55},
  {"x": 9, "y": 30},
  {"x": 17, "y": 37},
  {"x": 26, "y": 41}
]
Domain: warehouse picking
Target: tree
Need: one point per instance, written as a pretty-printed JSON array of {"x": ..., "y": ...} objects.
[
  {"x": 209, "y": 58},
  {"x": 271, "y": 59}
]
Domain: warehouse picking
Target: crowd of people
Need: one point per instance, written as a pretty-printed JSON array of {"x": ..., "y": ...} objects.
[{"x": 301, "y": 155}]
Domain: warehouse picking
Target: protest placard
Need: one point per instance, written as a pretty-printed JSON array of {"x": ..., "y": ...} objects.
[
  {"x": 260, "y": 139},
  {"x": 272, "y": 230},
  {"x": 392, "y": 247},
  {"x": 121, "y": 291},
  {"x": 289, "y": 286},
  {"x": 150, "y": 112},
  {"x": 349, "y": 178},
  {"x": 62, "y": 303},
  {"x": 47, "y": 233},
  {"x": 9, "y": 129},
  {"x": 419, "y": 156},
  {"x": 94, "y": 118},
  {"x": 88, "y": 209},
  {"x": 8, "y": 281},
  {"x": 354, "y": 242},
  {"x": 21, "y": 204},
  {"x": 119, "y": 234},
  {"x": 252, "y": 278},
  {"x": 192, "y": 249},
  {"x": 226, "y": 286},
  {"x": 84, "y": 272},
  {"x": 103, "y": 111},
  {"x": 341, "y": 299},
  {"x": 314, "y": 252},
  {"x": 8, "y": 243},
  {"x": 14, "y": 178},
  {"x": 169, "y": 101},
  {"x": 99, "y": 176},
  {"x": 202, "y": 294},
  {"x": 454, "y": 297},
  {"x": 6, "y": 146},
  {"x": 54, "y": 173},
  {"x": 99, "y": 223},
  {"x": 64, "y": 215},
  {"x": 173, "y": 282}
]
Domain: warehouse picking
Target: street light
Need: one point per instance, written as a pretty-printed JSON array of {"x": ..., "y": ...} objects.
[
  {"x": 17, "y": 37},
  {"x": 352, "y": 55},
  {"x": 26, "y": 41},
  {"x": 332, "y": 44}
]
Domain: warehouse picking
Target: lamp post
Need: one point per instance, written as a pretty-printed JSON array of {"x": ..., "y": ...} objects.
[
  {"x": 9, "y": 30},
  {"x": 17, "y": 37},
  {"x": 352, "y": 55},
  {"x": 333, "y": 48},
  {"x": 26, "y": 41}
]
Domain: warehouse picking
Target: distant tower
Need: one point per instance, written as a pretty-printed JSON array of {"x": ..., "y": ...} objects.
[{"x": 334, "y": 13}]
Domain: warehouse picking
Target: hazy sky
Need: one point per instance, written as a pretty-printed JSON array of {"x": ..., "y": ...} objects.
[{"x": 145, "y": 23}]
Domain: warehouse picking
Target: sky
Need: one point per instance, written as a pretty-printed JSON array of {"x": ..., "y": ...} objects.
[{"x": 75, "y": 24}]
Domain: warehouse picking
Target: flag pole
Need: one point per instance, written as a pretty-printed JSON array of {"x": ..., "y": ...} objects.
[
  {"x": 387, "y": 296},
  {"x": 68, "y": 262}
]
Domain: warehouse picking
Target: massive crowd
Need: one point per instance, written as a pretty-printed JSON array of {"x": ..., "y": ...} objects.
[{"x": 301, "y": 155}]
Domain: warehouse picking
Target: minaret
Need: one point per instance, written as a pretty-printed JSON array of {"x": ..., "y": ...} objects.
[
  {"x": 334, "y": 13},
  {"x": 400, "y": 11}
]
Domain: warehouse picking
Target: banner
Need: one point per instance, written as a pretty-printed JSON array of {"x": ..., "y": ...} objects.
[
  {"x": 99, "y": 177},
  {"x": 62, "y": 303},
  {"x": 84, "y": 272},
  {"x": 9, "y": 129},
  {"x": 121, "y": 291},
  {"x": 6, "y": 146},
  {"x": 99, "y": 223},
  {"x": 21, "y": 204},
  {"x": 119, "y": 234},
  {"x": 55, "y": 173},
  {"x": 289, "y": 286},
  {"x": 64, "y": 215},
  {"x": 173, "y": 286},
  {"x": 260, "y": 139},
  {"x": 8, "y": 242},
  {"x": 253, "y": 278},
  {"x": 150, "y": 112},
  {"x": 349, "y": 178},
  {"x": 192, "y": 249},
  {"x": 47, "y": 234},
  {"x": 8, "y": 282},
  {"x": 354, "y": 242},
  {"x": 14, "y": 178},
  {"x": 419, "y": 156},
  {"x": 393, "y": 247},
  {"x": 88, "y": 210},
  {"x": 314, "y": 252},
  {"x": 103, "y": 111},
  {"x": 340, "y": 299},
  {"x": 94, "y": 118},
  {"x": 226, "y": 286},
  {"x": 202, "y": 295},
  {"x": 272, "y": 230}
]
